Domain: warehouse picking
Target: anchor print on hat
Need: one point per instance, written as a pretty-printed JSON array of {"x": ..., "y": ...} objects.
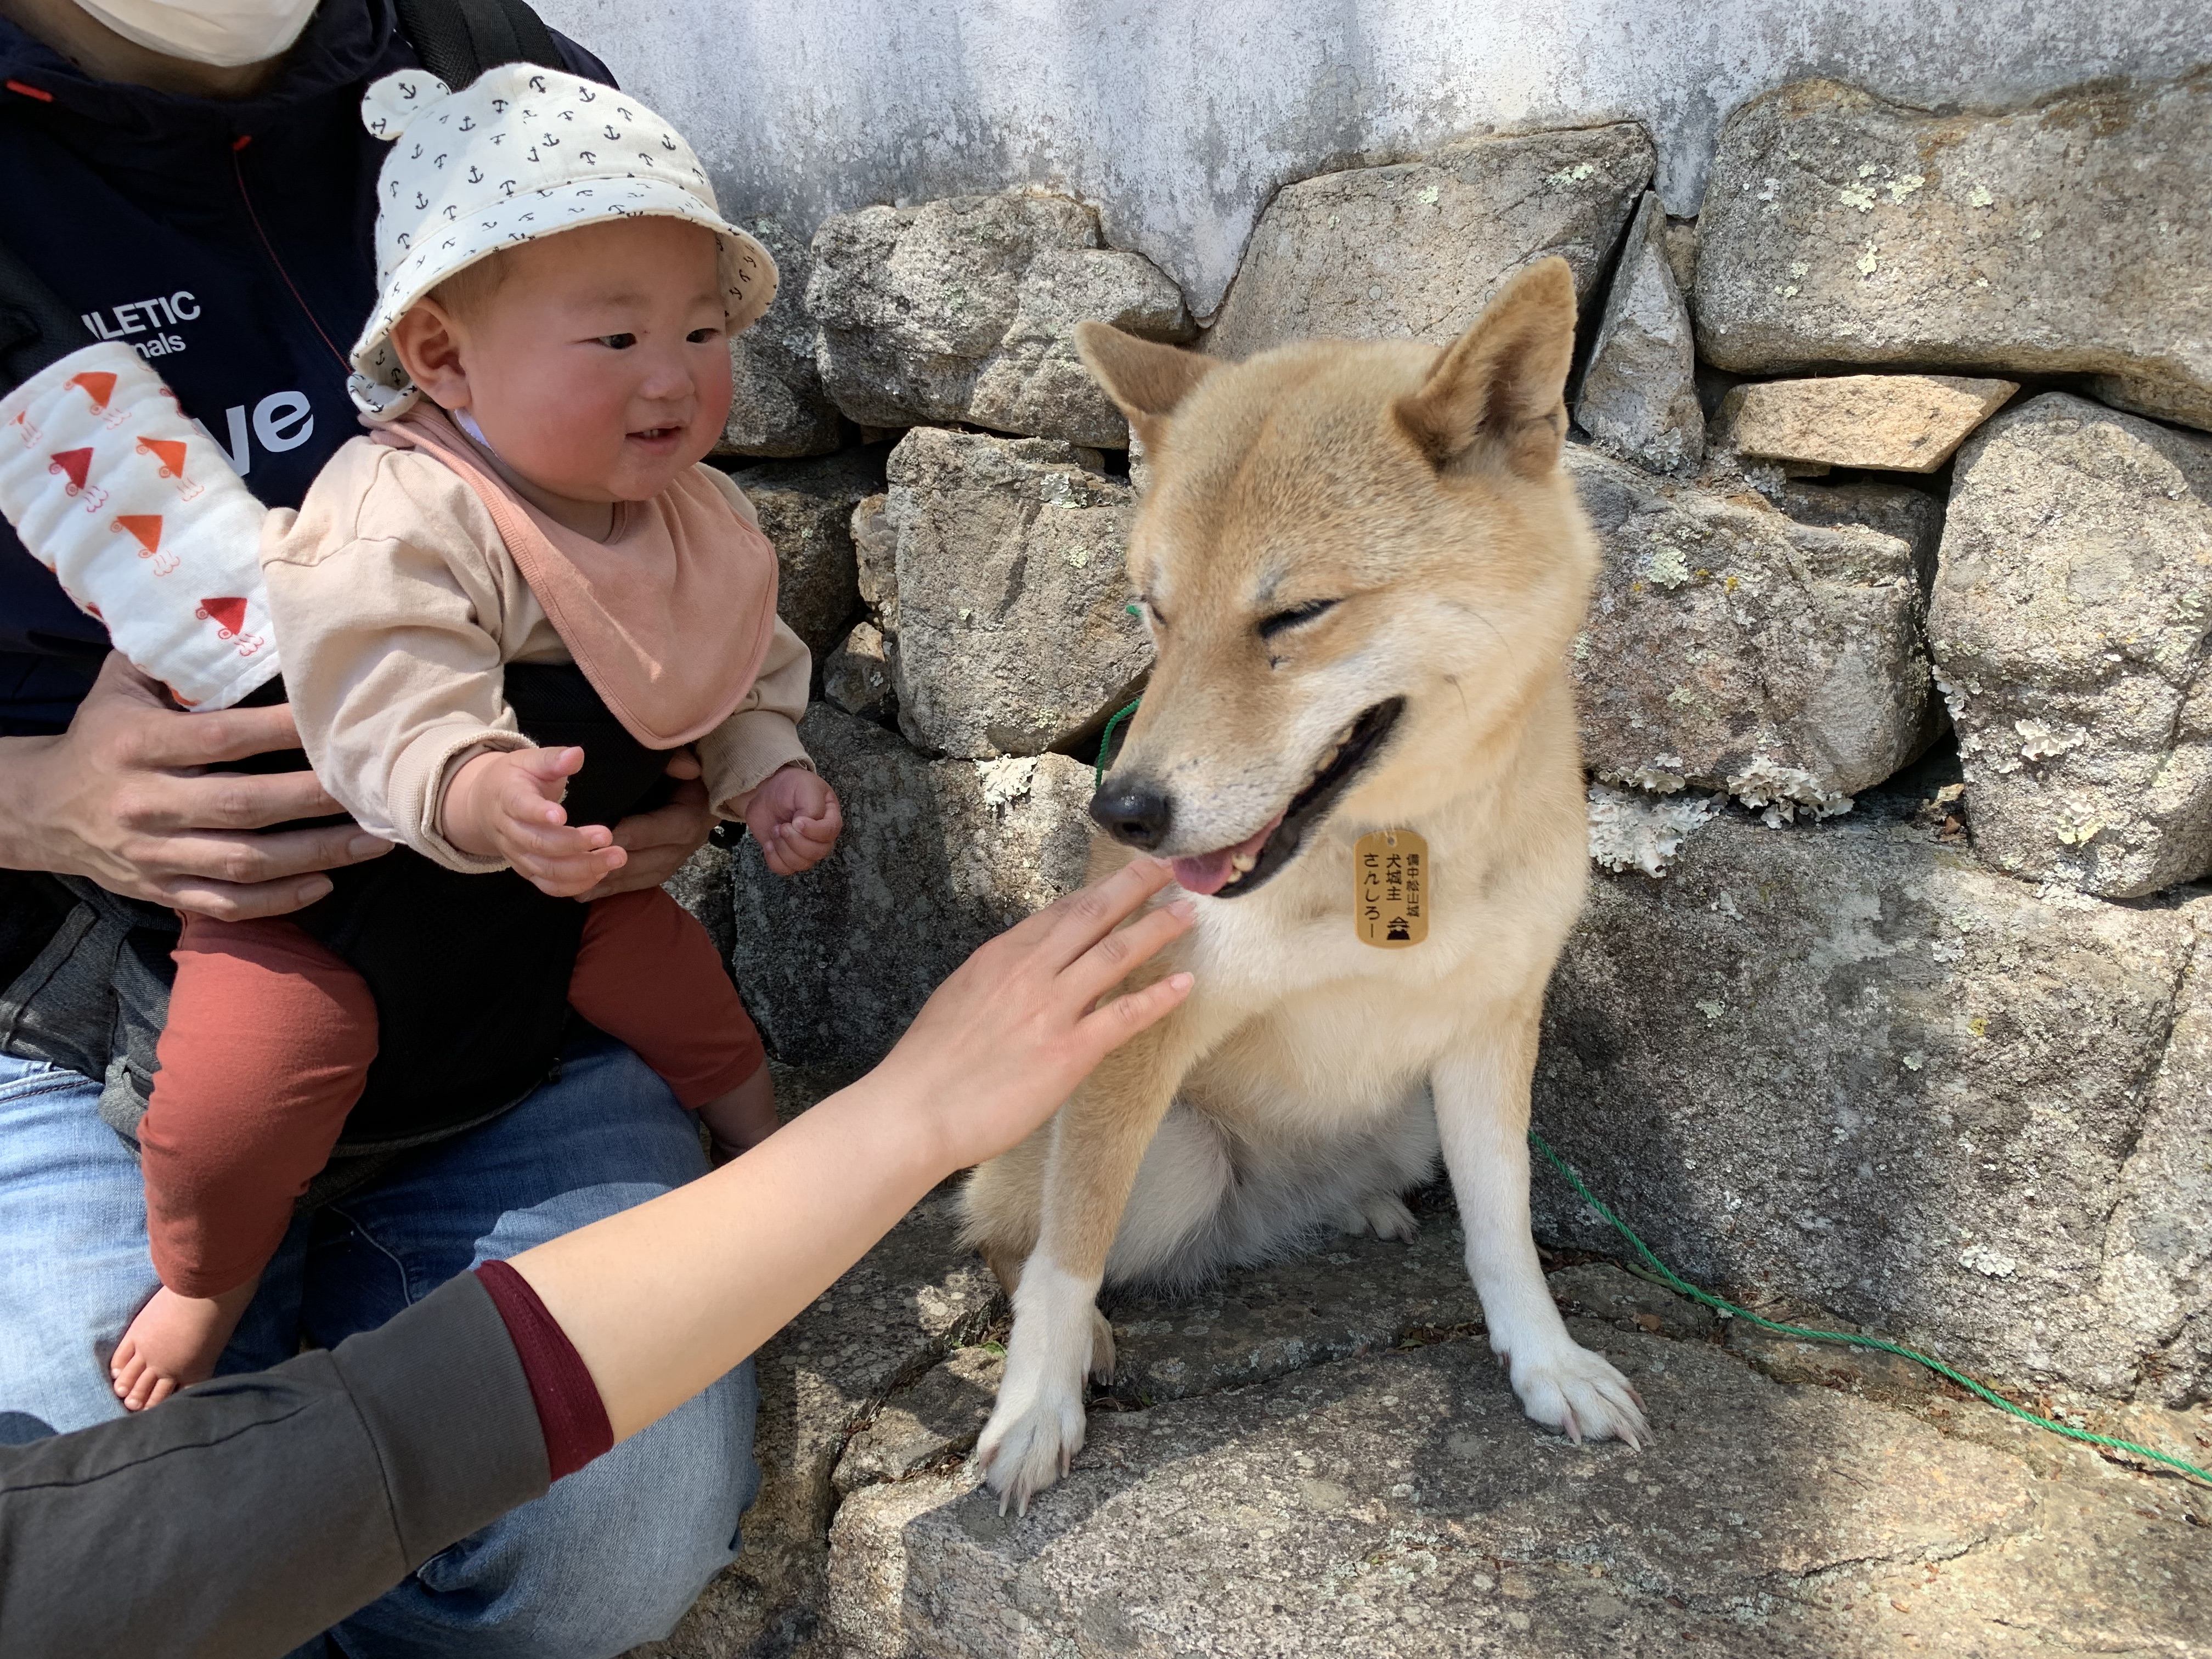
[{"x": 520, "y": 153}]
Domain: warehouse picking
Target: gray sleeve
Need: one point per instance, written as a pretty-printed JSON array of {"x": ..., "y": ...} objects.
[{"x": 244, "y": 1516}]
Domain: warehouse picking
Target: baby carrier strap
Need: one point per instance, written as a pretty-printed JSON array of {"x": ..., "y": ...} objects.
[
  {"x": 37, "y": 327},
  {"x": 459, "y": 39}
]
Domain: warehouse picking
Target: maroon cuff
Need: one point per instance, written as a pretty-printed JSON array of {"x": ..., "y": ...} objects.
[{"x": 570, "y": 1413}]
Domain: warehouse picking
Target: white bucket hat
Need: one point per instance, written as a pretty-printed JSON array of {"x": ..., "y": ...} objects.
[{"x": 520, "y": 153}]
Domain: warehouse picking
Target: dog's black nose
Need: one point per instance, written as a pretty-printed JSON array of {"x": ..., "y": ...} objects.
[{"x": 1135, "y": 814}]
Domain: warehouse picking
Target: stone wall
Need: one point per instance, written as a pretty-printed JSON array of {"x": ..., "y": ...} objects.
[
  {"x": 1180, "y": 122},
  {"x": 1890, "y": 997}
]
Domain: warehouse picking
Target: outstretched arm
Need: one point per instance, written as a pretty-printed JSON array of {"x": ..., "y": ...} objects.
[{"x": 660, "y": 1300}]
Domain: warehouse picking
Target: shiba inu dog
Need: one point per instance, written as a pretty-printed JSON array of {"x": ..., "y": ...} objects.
[{"x": 1363, "y": 568}]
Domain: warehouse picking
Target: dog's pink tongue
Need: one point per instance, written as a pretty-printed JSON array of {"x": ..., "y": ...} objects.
[
  {"x": 1206, "y": 874},
  {"x": 1209, "y": 872}
]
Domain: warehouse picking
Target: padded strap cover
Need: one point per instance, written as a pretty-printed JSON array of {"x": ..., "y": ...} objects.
[{"x": 137, "y": 512}]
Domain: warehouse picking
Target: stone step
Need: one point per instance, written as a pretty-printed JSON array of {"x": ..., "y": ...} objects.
[{"x": 1400, "y": 1503}]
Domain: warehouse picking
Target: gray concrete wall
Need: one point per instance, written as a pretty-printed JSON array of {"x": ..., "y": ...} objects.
[{"x": 1180, "y": 120}]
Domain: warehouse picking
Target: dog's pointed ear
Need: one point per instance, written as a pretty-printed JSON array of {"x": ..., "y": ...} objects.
[
  {"x": 1499, "y": 395},
  {"x": 1146, "y": 381}
]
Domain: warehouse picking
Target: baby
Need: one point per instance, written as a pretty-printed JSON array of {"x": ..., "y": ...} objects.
[{"x": 546, "y": 367}]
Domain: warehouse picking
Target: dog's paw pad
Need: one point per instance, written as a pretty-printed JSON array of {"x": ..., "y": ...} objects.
[{"x": 1579, "y": 1395}]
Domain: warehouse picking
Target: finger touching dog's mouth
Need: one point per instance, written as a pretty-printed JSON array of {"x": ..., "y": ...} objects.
[{"x": 1229, "y": 872}]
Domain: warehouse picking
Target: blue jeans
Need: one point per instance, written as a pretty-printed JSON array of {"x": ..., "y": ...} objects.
[{"x": 614, "y": 1553}]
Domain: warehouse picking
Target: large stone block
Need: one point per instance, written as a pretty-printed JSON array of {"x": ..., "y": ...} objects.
[
  {"x": 964, "y": 310},
  {"x": 2069, "y": 624},
  {"x": 1639, "y": 395},
  {"x": 1733, "y": 647},
  {"x": 805, "y": 508},
  {"x": 777, "y": 405},
  {"x": 937, "y": 856},
  {"x": 1846, "y": 1064},
  {"x": 1893, "y": 422},
  {"x": 1348, "y": 1297},
  {"x": 1014, "y": 631},
  {"x": 1399, "y": 1504},
  {"x": 927, "y": 1424},
  {"x": 2155, "y": 1285},
  {"x": 703, "y": 885},
  {"x": 1415, "y": 251},
  {"x": 2065, "y": 238},
  {"x": 875, "y": 547},
  {"x": 1912, "y": 515}
]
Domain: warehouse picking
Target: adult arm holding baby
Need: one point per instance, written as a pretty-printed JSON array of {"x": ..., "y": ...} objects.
[{"x": 136, "y": 796}]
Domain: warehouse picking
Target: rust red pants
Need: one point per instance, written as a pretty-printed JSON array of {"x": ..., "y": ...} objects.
[{"x": 268, "y": 1045}]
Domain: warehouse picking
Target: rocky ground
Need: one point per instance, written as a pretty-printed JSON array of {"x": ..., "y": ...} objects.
[{"x": 1322, "y": 1456}]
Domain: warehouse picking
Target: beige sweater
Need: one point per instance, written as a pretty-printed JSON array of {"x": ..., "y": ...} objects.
[{"x": 397, "y": 606}]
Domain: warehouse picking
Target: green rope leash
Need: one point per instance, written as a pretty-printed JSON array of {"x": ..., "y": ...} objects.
[
  {"x": 1106, "y": 737},
  {"x": 1666, "y": 1276},
  {"x": 1106, "y": 742}
]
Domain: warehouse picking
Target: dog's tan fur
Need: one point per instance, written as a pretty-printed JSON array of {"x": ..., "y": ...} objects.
[{"x": 1422, "y": 491}]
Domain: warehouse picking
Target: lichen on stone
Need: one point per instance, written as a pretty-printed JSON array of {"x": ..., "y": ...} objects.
[
  {"x": 1006, "y": 782},
  {"x": 1664, "y": 776},
  {"x": 1667, "y": 565},
  {"x": 1782, "y": 791},
  {"x": 1631, "y": 831}
]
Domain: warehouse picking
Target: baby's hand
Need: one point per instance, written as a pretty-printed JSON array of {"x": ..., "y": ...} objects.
[
  {"x": 507, "y": 805},
  {"x": 794, "y": 818}
]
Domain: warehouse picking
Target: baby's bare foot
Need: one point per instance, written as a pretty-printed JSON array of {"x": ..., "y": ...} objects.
[{"x": 174, "y": 1343}]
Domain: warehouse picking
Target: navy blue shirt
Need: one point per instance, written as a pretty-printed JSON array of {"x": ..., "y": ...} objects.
[{"x": 230, "y": 243}]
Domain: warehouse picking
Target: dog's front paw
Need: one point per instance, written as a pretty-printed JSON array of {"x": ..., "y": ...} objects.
[
  {"x": 1033, "y": 1435},
  {"x": 1567, "y": 1388}
]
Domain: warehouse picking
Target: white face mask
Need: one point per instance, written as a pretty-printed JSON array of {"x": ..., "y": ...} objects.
[{"x": 226, "y": 34}]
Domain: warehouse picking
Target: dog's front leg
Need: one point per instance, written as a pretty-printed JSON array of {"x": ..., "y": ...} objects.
[
  {"x": 1097, "y": 1141},
  {"x": 1482, "y": 1115}
]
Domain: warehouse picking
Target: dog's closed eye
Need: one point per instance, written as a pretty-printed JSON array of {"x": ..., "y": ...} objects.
[{"x": 1297, "y": 614}]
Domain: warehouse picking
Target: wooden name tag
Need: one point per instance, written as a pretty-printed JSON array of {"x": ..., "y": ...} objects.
[{"x": 1390, "y": 888}]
